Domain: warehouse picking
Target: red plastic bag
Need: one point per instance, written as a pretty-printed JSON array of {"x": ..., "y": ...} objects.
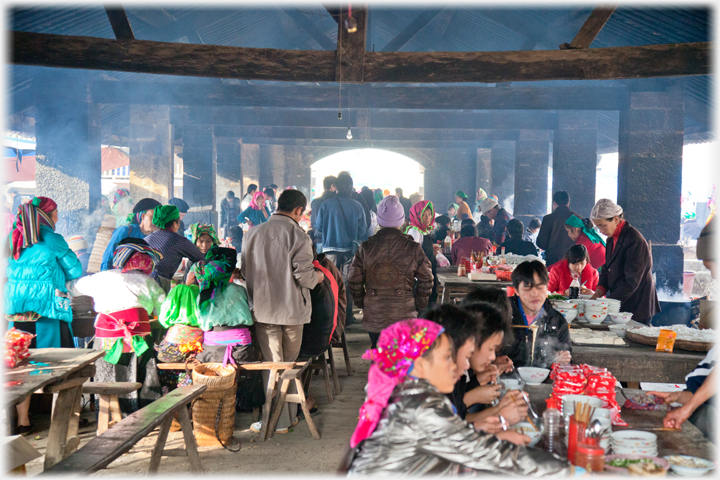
[{"x": 17, "y": 345}]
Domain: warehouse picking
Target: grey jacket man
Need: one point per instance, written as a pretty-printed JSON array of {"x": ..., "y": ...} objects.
[{"x": 277, "y": 264}]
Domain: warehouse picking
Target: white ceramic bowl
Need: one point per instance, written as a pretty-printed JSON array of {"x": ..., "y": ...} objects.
[
  {"x": 595, "y": 303},
  {"x": 569, "y": 401},
  {"x": 533, "y": 375},
  {"x": 528, "y": 430},
  {"x": 595, "y": 319},
  {"x": 620, "y": 330},
  {"x": 569, "y": 315},
  {"x": 689, "y": 471},
  {"x": 601, "y": 414},
  {"x": 633, "y": 437},
  {"x": 511, "y": 384},
  {"x": 585, "y": 297},
  {"x": 618, "y": 320}
]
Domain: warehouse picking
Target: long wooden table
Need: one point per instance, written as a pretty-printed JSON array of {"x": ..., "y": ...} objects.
[
  {"x": 639, "y": 363},
  {"x": 453, "y": 286},
  {"x": 67, "y": 369},
  {"x": 688, "y": 441}
]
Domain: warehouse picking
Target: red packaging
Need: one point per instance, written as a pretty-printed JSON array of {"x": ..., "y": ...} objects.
[{"x": 17, "y": 343}]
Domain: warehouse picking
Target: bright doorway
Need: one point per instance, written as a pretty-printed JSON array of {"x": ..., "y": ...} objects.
[{"x": 373, "y": 168}]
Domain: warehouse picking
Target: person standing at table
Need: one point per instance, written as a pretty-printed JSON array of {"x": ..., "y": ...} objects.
[
  {"x": 229, "y": 210},
  {"x": 627, "y": 274},
  {"x": 463, "y": 210},
  {"x": 580, "y": 231},
  {"x": 125, "y": 297},
  {"x": 140, "y": 226},
  {"x": 422, "y": 217},
  {"x": 390, "y": 277},
  {"x": 500, "y": 218},
  {"x": 40, "y": 264},
  {"x": 256, "y": 213},
  {"x": 553, "y": 238},
  {"x": 245, "y": 203},
  {"x": 277, "y": 264},
  {"x": 172, "y": 247}
]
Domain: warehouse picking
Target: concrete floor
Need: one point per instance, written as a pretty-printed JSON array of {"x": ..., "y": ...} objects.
[{"x": 293, "y": 453}]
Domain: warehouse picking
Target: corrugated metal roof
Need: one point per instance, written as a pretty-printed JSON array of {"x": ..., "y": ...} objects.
[{"x": 82, "y": 21}]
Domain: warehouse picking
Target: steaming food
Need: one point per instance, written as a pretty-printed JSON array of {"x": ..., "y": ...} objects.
[
  {"x": 688, "y": 462},
  {"x": 683, "y": 333}
]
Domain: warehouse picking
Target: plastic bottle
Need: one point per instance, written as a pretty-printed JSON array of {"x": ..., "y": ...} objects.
[
  {"x": 448, "y": 244},
  {"x": 503, "y": 259},
  {"x": 575, "y": 288},
  {"x": 552, "y": 429}
]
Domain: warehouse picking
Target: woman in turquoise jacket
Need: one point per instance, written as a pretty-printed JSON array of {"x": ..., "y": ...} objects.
[
  {"x": 40, "y": 264},
  {"x": 256, "y": 213}
]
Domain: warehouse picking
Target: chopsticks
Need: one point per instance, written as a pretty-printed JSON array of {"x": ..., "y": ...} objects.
[{"x": 583, "y": 412}]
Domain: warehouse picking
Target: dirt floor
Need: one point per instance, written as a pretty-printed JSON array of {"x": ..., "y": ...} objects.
[{"x": 293, "y": 453}]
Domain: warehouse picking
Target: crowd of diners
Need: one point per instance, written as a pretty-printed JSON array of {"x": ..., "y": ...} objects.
[{"x": 434, "y": 367}]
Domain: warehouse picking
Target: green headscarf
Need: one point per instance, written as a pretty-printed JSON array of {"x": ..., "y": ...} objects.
[
  {"x": 199, "y": 229},
  {"x": 461, "y": 194},
  {"x": 164, "y": 214},
  {"x": 575, "y": 221}
]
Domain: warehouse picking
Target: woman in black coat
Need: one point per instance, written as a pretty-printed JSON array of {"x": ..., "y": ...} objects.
[{"x": 627, "y": 274}]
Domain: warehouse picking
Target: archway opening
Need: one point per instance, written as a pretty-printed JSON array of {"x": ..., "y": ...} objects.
[{"x": 373, "y": 168}]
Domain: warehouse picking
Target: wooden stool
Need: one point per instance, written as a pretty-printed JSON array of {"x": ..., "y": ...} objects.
[
  {"x": 288, "y": 376},
  {"x": 343, "y": 344},
  {"x": 109, "y": 403},
  {"x": 319, "y": 364},
  {"x": 333, "y": 371}
]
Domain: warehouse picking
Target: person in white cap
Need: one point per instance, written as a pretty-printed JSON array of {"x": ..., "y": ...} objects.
[
  {"x": 627, "y": 274},
  {"x": 490, "y": 208}
]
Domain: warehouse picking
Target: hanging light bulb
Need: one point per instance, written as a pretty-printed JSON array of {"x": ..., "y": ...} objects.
[
  {"x": 349, "y": 134},
  {"x": 350, "y": 22}
]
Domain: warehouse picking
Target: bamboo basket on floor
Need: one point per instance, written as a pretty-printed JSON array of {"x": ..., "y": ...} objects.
[{"x": 214, "y": 411}]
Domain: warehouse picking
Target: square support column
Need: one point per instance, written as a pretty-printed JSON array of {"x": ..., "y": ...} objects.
[
  {"x": 533, "y": 156},
  {"x": 272, "y": 166},
  {"x": 68, "y": 152},
  {"x": 650, "y": 148},
  {"x": 229, "y": 170},
  {"x": 250, "y": 167},
  {"x": 575, "y": 158},
  {"x": 483, "y": 172},
  {"x": 503, "y": 171},
  {"x": 200, "y": 170},
  {"x": 151, "y": 153}
]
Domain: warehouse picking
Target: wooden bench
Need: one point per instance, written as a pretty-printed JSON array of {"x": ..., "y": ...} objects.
[
  {"x": 320, "y": 364},
  {"x": 109, "y": 402},
  {"x": 102, "y": 450}
]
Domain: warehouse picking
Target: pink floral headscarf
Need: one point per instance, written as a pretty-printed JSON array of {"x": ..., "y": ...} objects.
[
  {"x": 254, "y": 204},
  {"x": 398, "y": 347}
]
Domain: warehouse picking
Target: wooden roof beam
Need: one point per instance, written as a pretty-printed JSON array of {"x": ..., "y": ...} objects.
[
  {"x": 119, "y": 22},
  {"x": 216, "y": 61},
  {"x": 591, "y": 28}
]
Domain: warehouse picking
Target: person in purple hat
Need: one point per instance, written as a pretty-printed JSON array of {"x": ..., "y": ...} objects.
[{"x": 383, "y": 273}]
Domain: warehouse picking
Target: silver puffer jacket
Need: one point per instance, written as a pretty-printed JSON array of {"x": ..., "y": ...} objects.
[{"x": 419, "y": 434}]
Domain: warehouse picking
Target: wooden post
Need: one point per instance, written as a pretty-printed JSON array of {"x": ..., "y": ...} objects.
[{"x": 350, "y": 54}]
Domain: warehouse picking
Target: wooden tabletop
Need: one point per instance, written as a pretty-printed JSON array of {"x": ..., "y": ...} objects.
[
  {"x": 688, "y": 441},
  {"x": 34, "y": 377},
  {"x": 639, "y": 363},
  {"x": 451, "y": 279}
]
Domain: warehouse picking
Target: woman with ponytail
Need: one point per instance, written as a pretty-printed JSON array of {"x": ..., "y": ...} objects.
[{"x": 40, "y": 264}]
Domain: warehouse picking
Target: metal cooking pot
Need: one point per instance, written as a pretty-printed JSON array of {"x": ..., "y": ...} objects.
[{"x": 673, "y": 313}]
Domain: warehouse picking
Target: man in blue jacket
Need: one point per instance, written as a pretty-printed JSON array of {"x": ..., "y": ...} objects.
[
  {"x": 140, "y": 226},
  {"x": 341, "y": 226}
]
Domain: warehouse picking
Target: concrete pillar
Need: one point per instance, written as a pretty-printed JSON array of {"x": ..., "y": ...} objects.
[
  {"x": 297, "y": 162},
  {"x": 533, "y": 154},
  {"x": 68, "y": 168},
  {"x": 503, "y": 172},
  {"x": 229, "y": 171},
  {"x": 151, "y": 153},
  {"x": 575, "y": 158},
  {"x": 650, "y": 147},
  {"x": 483, "y": 173},
  {"x": 448, "y": 171},
  {"x": 200, "y": 167},
  {"x": 272, "y": 166},
  {"x": 250, "y": 167}
]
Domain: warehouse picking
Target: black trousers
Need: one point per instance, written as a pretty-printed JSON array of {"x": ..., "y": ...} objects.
[{"x": 342, "y": 261}]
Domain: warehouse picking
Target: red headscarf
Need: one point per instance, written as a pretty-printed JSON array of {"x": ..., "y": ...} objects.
[
  {"x": 253, "y": 202},
  {"x": 139, "y": 261},
  {"x": 416, "y": 212},
  {"x": 27, "y": 224}
]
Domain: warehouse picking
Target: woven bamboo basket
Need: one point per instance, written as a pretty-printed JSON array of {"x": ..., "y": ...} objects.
[
  {"x": 205, "y": 412},
  {"x": 224, "y": 378}
]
